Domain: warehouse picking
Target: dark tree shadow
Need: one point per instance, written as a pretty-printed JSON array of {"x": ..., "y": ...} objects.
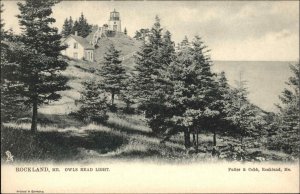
[
  {"x": 56, "y": 146},
  {"x": 60, "y": 121}
]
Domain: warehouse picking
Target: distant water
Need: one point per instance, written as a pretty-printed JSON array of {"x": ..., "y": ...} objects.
[{"x": 265, "y": 79}]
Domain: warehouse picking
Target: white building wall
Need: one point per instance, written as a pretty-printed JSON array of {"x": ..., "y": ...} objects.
[
  {"x": 111, "y": 24},
  {"x": 89, "y": 55},
  {"x": 71, "y": 51}
]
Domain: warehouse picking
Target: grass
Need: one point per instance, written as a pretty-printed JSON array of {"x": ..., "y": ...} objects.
[{"x": 61, "y": 138}]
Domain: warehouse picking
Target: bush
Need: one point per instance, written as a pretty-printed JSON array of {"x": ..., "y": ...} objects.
[{"x": 94, "y": 105}]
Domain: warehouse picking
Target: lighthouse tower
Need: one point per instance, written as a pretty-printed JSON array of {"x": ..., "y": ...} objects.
[{"x": 114, "y": 22}]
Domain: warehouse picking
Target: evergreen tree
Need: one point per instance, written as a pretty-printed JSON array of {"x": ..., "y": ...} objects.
[
  {"x": 38, "y": 57},
  {"x": 141, "y": 34},
  {"x": 245, "y": 117},
  {"x": 94, "y": 104},
  {"x": 126, "y": 94},
  {"x": 184, "y": 43},
  {"x": 113, "y": 73},
  {"x": 71, "y": 24},
  {"x": 11, "y": 101},
  {"x": 81, "y": 26},
  {"x": 151, "y": 84},
  {"x": 76, "y": 27},
  {"x": 167, "y": 50},
  {"x": 289, "y": 123},
  {"x": 67, "y": 27},
  {"x": 221, "y": 123},
  {"x": 125, "y": 31},
  {"x": 291, "y": 99},
  {"x": 2, "y": 31},
  {"x": 195, "y": 91}
]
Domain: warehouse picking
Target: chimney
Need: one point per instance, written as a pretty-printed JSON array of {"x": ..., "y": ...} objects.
[{"x": 75, "y": 33}]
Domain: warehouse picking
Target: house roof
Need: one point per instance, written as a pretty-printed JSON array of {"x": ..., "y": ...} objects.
[
  {"x": 82, "y": 41},
  {"x": 89, "y": 38}
]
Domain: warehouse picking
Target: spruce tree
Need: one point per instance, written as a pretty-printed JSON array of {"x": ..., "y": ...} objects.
[
  {"x": 246, "y": 119},
  {"x": 67, "y": 27},
  {"x": 75, "y": 27},
  {"x": 151, "y": 83},
  {"x": 94, "y": 103},
  {"x": 11, "y": 101},
  {"x": 288, "y": 137},
  {"x": 71, "y": 23},
  {"x": 196, "y": 91},
  {"x": 126, "y": 94},
  {"x": 82, "y": 27},
  {"x": 141, "y": 34},
  {"x": 113, "y": 73},
  {"x": 2, "y": 31},
  {"x": 221, "y": 124},
  {"x": 38, "y": 57}
]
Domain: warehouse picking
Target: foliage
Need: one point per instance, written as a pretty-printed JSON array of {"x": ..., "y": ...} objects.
[
  {"x": 141, "y": 34},
  {"x": 11, "y": 101},
  {"x": 125, "y": 31},
  {"x": 93, "y": 102},
  {"x": 82, "y": 27},
  {"x": 246, "y": 119},
  {"x": 2, "y": 30},
  {"x": 288, "y": 120},
  {"x": 67, "y": 27},
  {"x": 126, "y": 94},
  {"x": 113, "y": 73},
  {"x": 291, "y": 99},
  {"x": 151, "y": 84},
  {"x": 196, "y": 93},
  {"x": 37, "y": 59}
]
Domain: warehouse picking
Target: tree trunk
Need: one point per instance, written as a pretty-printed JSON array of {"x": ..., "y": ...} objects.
[
  {"x": 194, "y": 139},
  {"x": 197, "y": 139},
  {"x": 214, "y": 151},
  {"x": 241, "y": 140},
  {"x": 187, "y": 141},
  {"x": 34, "y": 116},
  {"x": 215, "y": 138},
  {"x": 112, "y": 98}
]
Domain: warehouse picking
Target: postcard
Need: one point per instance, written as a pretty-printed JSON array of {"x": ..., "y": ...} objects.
[{"x": 150, "y": 96}]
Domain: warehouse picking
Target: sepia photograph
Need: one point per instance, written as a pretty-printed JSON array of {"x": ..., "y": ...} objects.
[{"x": 150, "y": 96}]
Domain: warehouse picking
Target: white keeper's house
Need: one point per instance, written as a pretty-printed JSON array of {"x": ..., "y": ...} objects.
[
  {"x": 84, "y": 48},
  {"x": 78, "y": 48}
]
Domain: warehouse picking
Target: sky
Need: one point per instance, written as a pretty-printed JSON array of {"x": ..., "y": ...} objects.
[{"x": 233, "y": 30}]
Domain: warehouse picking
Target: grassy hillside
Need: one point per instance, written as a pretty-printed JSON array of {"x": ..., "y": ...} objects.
[
  {"x": 61, "y": 138},
  {"x": 127, "y": 45},
  {"x": 77, "y": 72}
]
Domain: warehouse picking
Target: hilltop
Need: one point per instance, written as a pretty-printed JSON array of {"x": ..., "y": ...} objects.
[{"x": 127, "y": 45}]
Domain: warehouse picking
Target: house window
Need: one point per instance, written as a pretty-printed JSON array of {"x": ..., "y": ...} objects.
[
  {"x": 89, "y": 55},
  {"x": 75, "y": 45},
  {"x": 75, "y": 55}
]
